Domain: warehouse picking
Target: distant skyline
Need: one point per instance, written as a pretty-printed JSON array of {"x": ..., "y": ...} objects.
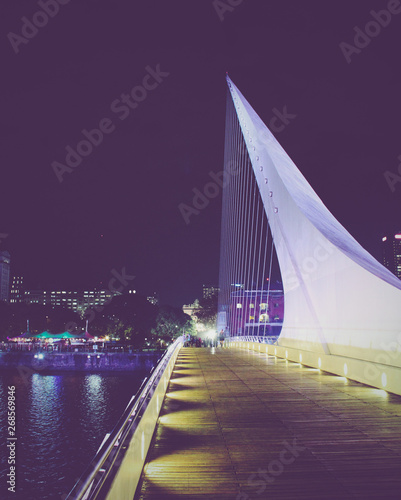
[{"x": 151, "y": 79}]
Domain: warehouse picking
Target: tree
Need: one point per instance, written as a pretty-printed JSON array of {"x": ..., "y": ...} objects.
[
  {"x": 170, "y": 324},
  {"x": 207, "y": 313},
  {"x": 13, "y": 319},
  {"x": 128, "y": 317}
]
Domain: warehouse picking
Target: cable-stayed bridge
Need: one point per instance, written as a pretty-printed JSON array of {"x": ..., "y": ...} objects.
[
  {"x": 303, "y": 401},
  {"x": 342, "y": 308}
]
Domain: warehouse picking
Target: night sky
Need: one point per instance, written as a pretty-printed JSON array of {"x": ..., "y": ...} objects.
[{"x": 119, "y": 207}]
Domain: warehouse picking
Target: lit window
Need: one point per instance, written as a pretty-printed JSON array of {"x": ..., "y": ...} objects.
[
  {"x": 264, "y": 318},
  {"x": 239, "y": 306},
  {"x": 251, "y": 306},
  {"x": 263, "y": 305}
]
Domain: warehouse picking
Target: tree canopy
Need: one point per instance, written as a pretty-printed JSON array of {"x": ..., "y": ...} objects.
[
  {"x": 207, "y": 314},
  {"x": 171, "y": 323},
  {"x": 131, "y": 319},
  {"x": 13, "y": 319}
]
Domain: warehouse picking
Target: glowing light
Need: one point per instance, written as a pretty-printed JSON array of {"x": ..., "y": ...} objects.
[
  {"x": 384, "y": 379},
  {"x": 300, "y": 358},
  {"x": 275, "y": 351},
  {"x": 384, "y": 239},
  {"x": 211, "y": 334},
  {"x": 40, "y": 356},
  {"x": 286, "y": 354},
  {"x": 397, "y": 236},
  {"x": 319, "y": 363},
  {"x": 380, "y": 392},
  {"x": 345, "y": 369}
]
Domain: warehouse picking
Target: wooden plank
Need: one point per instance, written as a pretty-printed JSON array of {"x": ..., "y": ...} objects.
[{"x": 242, "y": 425}]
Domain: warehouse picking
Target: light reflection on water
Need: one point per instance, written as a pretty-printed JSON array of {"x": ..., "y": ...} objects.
[{"x": 61, "y": 422}]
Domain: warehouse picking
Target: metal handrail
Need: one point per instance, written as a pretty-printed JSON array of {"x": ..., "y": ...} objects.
[
  {"x": 268, "y": 339},
  {"x": 88, "y": 486}
]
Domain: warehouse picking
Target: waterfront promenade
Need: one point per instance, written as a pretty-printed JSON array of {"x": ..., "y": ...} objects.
[
  {"x": 238, "y": 424},
  {"x": 45, "y": 362}
]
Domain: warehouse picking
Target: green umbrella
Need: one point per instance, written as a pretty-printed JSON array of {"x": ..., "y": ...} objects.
[
  {"x": 43, "y": 335},
  {"x": 66, "y": 335},
  {"x": 49, "y": 335}
]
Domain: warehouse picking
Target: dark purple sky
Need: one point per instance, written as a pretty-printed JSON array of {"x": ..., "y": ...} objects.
[{"x": 346, "y": 133}]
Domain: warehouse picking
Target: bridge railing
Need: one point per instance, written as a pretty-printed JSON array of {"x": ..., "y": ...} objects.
[
  {"x": 116, "y": 469},
  {"x": 270, "y": 339}
]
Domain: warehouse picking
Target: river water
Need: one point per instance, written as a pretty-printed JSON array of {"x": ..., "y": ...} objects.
[{"x": 61, "y": 422}]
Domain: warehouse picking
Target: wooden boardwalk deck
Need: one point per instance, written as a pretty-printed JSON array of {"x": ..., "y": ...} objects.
[{"x": 241, "y": 425}]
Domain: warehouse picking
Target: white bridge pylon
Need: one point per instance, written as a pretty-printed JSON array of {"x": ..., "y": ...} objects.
[{"x": 339, "y": 300}]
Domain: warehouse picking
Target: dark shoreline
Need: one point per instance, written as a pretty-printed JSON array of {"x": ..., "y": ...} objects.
[{"x": 78, "y": 362}]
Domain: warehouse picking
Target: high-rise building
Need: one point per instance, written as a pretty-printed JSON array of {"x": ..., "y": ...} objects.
[
  {"x": 392, "y": 253},
  {"x": 77, "y": 301},
  {"x": 17, "y": 290},
  {"x": 5, "y": 260},
  {"x": 210, "y": 291}
]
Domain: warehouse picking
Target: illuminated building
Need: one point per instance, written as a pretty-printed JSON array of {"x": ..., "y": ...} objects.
[
  {"x": 17, "y": 290},
  {"x": 5, "y": 260},
  {"x": 257, "y": 312},
  {"x": 77, "y": 301},
  {"x": 192, "y": 309},
  {"x": 392, "y": 253},
  {"x": 210, "y": 291}
]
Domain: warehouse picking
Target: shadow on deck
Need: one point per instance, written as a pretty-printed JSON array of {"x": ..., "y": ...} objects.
[{"x": 237, "y": 424}]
